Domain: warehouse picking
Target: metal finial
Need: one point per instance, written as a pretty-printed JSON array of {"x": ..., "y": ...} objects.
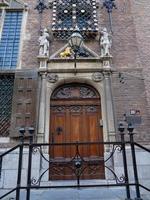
[
  {"x": 41, "y": 6},
  {"x": 109, "y": 5}
]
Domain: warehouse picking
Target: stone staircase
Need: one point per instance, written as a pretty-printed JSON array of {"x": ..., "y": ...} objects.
[{"x": 78, "y": 194}]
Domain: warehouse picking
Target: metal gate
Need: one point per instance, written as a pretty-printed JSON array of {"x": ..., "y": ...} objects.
[{"x": 77, "y": 164}]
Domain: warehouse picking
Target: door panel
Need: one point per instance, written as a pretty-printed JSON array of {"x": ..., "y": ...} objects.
[
  {"x": 57, "y": 131},
  {"x": 76, "y": 120}
]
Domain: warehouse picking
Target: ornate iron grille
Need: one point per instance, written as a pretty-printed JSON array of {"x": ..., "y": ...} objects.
[
  {"x": 6, "y": 93},
  {"x": 69, "y": 13}
]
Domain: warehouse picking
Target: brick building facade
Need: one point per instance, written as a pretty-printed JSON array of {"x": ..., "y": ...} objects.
[
  {"x": 121, "y": 79},
  {"x": 129, "y": 50}
]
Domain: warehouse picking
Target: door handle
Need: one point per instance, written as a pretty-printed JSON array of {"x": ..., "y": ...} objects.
[{"x": 59, "y": 130}]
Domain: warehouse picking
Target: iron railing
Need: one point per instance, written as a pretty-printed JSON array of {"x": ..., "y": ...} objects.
[{"x": 79, "y": 166}]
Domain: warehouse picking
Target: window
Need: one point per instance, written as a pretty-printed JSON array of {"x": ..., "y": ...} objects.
[
  {"x": 6, "y": 93},
  {"x": 10, "y": 39},
  {"x": 67, "y": 14}
]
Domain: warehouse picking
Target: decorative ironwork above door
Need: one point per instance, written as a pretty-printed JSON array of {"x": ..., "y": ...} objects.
[
  {"x": 75, "y": 92},
  {"x": 70, "y": 13}
]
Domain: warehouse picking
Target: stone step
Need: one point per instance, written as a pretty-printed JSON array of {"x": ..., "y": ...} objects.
[{"x": 78, "y": 194}]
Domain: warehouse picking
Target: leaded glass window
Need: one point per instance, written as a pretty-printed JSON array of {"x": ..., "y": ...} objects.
[
  {"x": 67, "y": 14},
  {"x": 10, "y": 39},
  {"x": 6, "y": 93}
]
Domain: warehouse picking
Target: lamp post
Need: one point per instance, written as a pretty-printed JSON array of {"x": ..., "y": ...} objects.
[
  {"x": 20, "y": 161},
  {"x": 21, "y": 134},
  {"x": 75, "y": 41},
  {"x": 31, "y": 132}
]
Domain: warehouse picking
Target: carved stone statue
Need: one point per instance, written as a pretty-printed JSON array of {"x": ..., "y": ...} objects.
[
  {"x": 105, "y": 43},
  {"x": 44, "y": 43}
]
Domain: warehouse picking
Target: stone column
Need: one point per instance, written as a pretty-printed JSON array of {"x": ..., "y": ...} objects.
[
  {"x": 42, "y": 107},
  {"x": 42, "y": 97},
  {"x": 110, "y": 115}
]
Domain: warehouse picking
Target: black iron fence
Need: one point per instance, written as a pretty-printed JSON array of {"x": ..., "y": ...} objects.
[{"x": 78, "y": 166}]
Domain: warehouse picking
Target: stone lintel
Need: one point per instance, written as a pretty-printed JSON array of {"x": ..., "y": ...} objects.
[
  {"x": 64, "y": 60},
  {"x": 77, "y": 70}
]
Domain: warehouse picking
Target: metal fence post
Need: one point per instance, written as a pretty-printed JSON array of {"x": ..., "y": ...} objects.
[
  {"x": 29, "y": 168},
  {"x": 1, "y": 161},
  {"x": 121, "y": 130},
  {"x": 137, "y": 188},
  {"x": 21, "y": 136}
]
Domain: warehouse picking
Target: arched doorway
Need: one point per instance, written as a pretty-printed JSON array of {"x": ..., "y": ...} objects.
[{"x": 75, "y": 113}]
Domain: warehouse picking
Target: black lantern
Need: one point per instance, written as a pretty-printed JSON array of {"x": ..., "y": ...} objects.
[
  {"x": 130, "y": 128},
  {"x": 75, "y": 42},
  {"x": 121, "y": 127}
]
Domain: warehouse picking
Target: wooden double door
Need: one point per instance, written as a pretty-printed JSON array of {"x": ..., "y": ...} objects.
[{"x": 75, "y": 117}]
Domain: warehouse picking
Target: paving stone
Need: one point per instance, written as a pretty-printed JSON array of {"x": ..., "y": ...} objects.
[{"x": 78, "y": 194}]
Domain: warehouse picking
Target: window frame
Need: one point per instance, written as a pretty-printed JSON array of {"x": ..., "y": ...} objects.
[
  {"x": 4, "y": 11},
  {"x": 13, "y": 71}
]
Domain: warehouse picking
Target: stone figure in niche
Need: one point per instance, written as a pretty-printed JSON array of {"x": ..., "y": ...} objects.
[
  {"x": 105, "y": 43},
  {"x": 44, "y": 43}
]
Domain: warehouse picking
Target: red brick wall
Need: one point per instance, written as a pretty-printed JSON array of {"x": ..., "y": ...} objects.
[
  {"x": 124, "y": 49},
  {"x": 141, "y": 16},
  {"x": 130, "y": 50}
]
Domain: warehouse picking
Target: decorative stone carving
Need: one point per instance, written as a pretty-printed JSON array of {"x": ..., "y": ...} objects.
[
  {"x": 97, "y": 76},
  {"x": 52, "y": 78},
  {"x": 105, "y": 43},
  {"x": 67, "y": 53},
  {"x": 86, "y": 93},
  {"x": 44, "y": 43},
  {"x": 106, "y": 64},
  {"x": 74, "y": 92}
]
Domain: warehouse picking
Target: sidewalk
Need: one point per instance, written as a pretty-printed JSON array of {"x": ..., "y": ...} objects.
[{"x": 81, "y": 194}]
